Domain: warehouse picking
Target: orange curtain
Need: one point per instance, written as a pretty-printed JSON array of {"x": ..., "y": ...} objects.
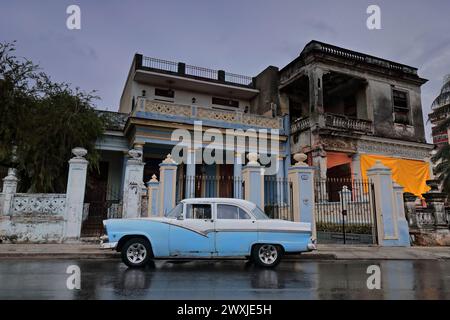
[
  {"x": 335, "y": 159},
  {"x": 410, "y": 174}
]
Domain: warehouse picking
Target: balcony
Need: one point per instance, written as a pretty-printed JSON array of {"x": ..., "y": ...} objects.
[
  {"x": 157, "y": 110},
  {"x": 334, "y": 122}
]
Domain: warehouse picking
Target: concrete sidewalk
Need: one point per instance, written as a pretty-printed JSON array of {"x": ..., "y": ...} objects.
[{"x": 324, "y": 252}]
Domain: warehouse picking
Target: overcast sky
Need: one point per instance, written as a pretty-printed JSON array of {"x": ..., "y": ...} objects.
[{"x": 242, "y": 36}]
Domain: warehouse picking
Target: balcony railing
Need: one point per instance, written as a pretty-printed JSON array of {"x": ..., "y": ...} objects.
[
  {"x": 187, "y": 113},
  {"x": 333, "y": 121},
  {"x": 183, "y": 69},
  {"x": 342, "y": 122}
]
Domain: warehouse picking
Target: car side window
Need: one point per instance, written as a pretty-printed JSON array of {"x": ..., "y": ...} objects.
[
  {"x": 198, "y": 211},
  {"x": 225, "y": 211},
  {"x": 243, "y": 215}
]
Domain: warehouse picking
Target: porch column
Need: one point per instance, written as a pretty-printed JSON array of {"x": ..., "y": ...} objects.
[
  {"x": 76, "y": 185},
  {"x": 302, "y": 178},
  {"x": 319, "y": 159},
  {"x": 253, "y": 175},
  {"x": 388, "y": 217},
  {"x": 133, "y": 185},
  {"x": 316, "y": 91},
  {"x": 280, "y": 180},
  {"x": 9, "y": 189},
  {"x": 168, "y": 183},
  {"x": 237, "y": 172},
  {"x": 190, "y": 173}
]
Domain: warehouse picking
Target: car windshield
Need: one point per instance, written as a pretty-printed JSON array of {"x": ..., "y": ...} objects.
[
  {"x": 259, "y": 214},
  {"x": 175, "y": 212}
]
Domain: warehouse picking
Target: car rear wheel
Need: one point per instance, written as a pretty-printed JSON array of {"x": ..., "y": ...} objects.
[
  {"x": 136, "y": 252},
  {"x": 267, "y": 255}
]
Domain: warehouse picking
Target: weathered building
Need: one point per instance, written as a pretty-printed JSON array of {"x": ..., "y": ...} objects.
[
  {"x": 441, "y": 111},
  {"x": 344, "y": 104}
]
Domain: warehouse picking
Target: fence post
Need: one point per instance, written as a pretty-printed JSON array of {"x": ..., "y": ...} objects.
[
  {"x": 9, "y": 189},
  {"x": 76, "y": 185},
  {"x": 168, "y": 183},
  {"x": 253, "y": 175},
  {"x": 403, "y": 227},
  {"x": 410, "y": 207},
  {"x": 153, "y": 189},
  {"x": 302, "y": 178},
  {"x": 392, "y": 230},
  {"x": 133, "y": 185}
]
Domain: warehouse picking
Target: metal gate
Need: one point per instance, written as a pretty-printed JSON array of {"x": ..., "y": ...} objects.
[
  {"x": 278, "y": 195},
  {"x": 345, "y": 211},
  {"x": 100, "y": 203}
]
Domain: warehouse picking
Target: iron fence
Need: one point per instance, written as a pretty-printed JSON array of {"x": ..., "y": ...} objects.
[
  {"x": 278, "y": 198},
  {"x": 101, "y": 202}
]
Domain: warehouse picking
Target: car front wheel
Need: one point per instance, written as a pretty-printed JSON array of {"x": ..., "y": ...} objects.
[
  {"x": 136, "y": 252},
  {"x": 267, "y": 255}
]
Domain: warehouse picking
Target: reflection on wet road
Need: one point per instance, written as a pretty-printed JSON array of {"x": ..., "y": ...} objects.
[{"x": 104, "y": 279}]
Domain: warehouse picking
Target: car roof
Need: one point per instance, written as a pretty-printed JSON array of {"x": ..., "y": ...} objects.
[{"x": 243, "y": 203}]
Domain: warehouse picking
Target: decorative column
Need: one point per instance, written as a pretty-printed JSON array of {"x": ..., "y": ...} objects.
[
  {"x": 253, "y": 175},
  {"x": 9, "y": 189},
  {"x": 302, "y": 178},
  {"x": 133, "y": 185},
  {"x": 237, "y": 173},
  {"x": 168, "y": 183},
  {"x": 190, "y": 174},
  {"x": 76, "y": 186},
  {"x": 152, "y": 191},
  {"x": 387, "y": 215}
]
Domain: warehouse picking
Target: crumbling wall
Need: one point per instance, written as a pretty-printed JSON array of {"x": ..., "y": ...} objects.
[{"x": 34, "y": 218}]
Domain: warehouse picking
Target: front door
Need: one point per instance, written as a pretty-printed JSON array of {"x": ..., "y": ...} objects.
[
  {"x": 194, "y": 235},
  {"x": 236, "y": 231}
]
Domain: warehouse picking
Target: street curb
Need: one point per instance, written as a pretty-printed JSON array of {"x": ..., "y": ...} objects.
[{"x": 116, "y": 255}]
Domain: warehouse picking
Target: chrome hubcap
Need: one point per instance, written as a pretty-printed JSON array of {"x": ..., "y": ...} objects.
[
  {"x": 268, "y": 254},
  {"x": 136, "y": 253}
]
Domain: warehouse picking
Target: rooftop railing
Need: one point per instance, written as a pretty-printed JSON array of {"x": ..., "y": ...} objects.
[{"x": 182, "y": 69}]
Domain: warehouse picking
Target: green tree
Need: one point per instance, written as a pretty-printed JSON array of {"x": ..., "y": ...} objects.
[{"x": 41, "y": 121}]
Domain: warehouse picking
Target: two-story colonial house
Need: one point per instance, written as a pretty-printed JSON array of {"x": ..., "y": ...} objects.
[{"x": 342, "y": 108}]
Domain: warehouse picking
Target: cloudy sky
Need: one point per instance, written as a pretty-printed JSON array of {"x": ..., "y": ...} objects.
[{"x": 240, "y": 36}]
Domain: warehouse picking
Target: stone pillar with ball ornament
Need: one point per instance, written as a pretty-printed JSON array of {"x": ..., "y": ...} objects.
[
  {"x": 253, "y": 176},
  {"x": 153, "y": 199},
  {"x": 134, "y": 187},
  {"x": 76, "y": 186},
  {"x": 301, "y": 176}
]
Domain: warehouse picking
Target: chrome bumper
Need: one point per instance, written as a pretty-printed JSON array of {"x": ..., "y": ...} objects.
[
  {"x": 108, "y": 245},
  {"x": 311, "y": 247}
]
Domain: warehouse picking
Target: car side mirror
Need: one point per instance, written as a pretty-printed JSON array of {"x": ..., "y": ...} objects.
[{"x": 180, "y": 217}]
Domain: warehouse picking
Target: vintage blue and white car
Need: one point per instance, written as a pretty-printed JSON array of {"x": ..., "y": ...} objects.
[{"x": 208, "y": 228}]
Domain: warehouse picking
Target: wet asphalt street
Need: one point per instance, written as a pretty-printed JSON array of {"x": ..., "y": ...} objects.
[{"x": 110, "y": 279}]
